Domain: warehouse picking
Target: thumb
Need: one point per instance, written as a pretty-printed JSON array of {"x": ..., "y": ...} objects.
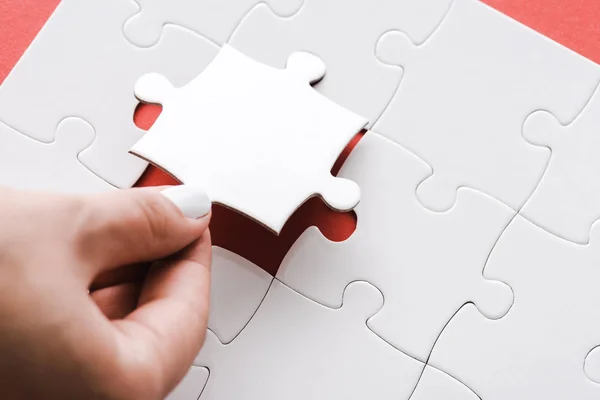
[{"x": 140, "y": 225}]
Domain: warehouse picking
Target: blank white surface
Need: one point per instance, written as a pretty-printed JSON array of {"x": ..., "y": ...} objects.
[
  {"x": 297, "y": 349},
  {"x": 80, "y": 64},
  {"x": 465, "y": 94},
  {"x": 344, "y": 34},
  {"x": 28, "y": 164},
  {"x": 237, "y": 289},
  {"x": 426, "y": 264},
  {"x": 537, "y": 351}
]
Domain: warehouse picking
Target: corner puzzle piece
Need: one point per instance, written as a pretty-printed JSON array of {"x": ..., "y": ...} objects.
[
  {"x": 81, "y": 65},
  {"x": 31, "y": 165},
  {"x": 465, "y": 94},
  {"x": 191, "y": 386},
  {"x": 294, "y": 348},
  {"x": 537, "y": 350},
  {"x": 567, "y": 200},
  {"x": 258, "y": 139},
  {"x": 344, "y": 34},
  {"x": 437, "y": 385},
  {"x": 237, "y": 289},
  {"x": 214, "y": 19},
  {"x": 426, "y": 264},
  {"x": 592, "y": 365}
]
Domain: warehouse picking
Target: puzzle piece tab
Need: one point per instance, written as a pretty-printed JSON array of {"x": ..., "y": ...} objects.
[
  {"x": 214, "y": 19},
  {"x": 80, "y": 64},
  {"x": 294, "y": 348},
  {"x": 257, "y": 139},
  {"x": 537, "y": 351},
  {"x": 567, "y": 200},
  {"x": 465, "y": 94},
  {"x": 426, "y": 264},
  {"x": 237, "y": 289},
  {"x": 344, "y": 34},
  {"x": 28, "y": 164}
]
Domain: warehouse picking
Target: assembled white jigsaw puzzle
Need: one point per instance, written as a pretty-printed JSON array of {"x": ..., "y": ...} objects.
[
  {"x": 405, "y": 250},
  {"x": 355, "y": 79},
  {"x": 539, "y": 349},
  {"x": 474, "y": 269},
  {"x": 49, "y": 166},
  {"x": 257, "y": 139},
  {"x": 321, "y": 353},
  {"x": 567, "y": 199},
  {"x": 213, "y": 19},
  {"x": 81, "y": 65},
  {"x": 465, "y": 119}
]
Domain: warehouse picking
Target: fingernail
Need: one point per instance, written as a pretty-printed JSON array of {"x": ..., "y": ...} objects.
[{"x": 191, "y": 200}]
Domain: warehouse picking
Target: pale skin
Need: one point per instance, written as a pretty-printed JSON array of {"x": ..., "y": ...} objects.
[{"x": 126, "y": 339}]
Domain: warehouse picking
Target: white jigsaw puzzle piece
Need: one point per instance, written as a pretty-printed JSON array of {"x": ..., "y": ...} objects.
[
  {"x": 31, "y": 165},
  {"x": 344, "y": 34},
  {"x": 81, "y": 64},
  {"x": 191, "y": 386},
  {"x": 592, "y": 365},
  {"x": 537, "y": 351},
  {"x": 258, "y": 139},
  {"x": 465, "y": 94},
  {"x": 294, "y": 348},
  {"x": 214, "y": 19},
  {"x": 427, "y": 264},
  {"x": 567, "y": 200},
  {"x": 437, "y": 385},
  {"x": 237, "y": 289}
]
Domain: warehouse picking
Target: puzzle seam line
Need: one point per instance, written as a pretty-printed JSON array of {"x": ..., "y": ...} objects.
[
  {"x": 253, "y": 314},
  {"x": 563, "y": 125},
  {"x": 342, "y": 305},
  {"x": 34, "y": 140},
  {"x": 427, "y": 364}
]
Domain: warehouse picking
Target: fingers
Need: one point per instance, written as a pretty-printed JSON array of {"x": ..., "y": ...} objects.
[
  {"x": 116, "y": 302},
  {"x": 129, "y": 273},
  {"x": 138, "y": 225},
  {"x": 170, "y": 322}
]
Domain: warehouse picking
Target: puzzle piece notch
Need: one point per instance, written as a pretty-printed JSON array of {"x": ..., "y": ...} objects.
[
  {"x": 295, "y": 132},
  {"x": 395, "y": 48},
  {"x": 592, "y": 365},
  {"x": 391, "y": 248},
  {"x": 355, "y": 79},
  {"x": 81, "y": 65},
  {"x": 567, "y": 199},
  {"x": 214, "y": 19},
  {"x": 549, "y": 331},
  {"x": 361, "y": 301},
  {"x": 33, "y": 165},
  {"x": 495, "y": 73},
  {"x": 275, "y": 355},
  {"x": 74, "y": 135}
]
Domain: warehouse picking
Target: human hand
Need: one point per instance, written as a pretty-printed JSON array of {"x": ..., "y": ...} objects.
[{"x": 59, "y": 342}]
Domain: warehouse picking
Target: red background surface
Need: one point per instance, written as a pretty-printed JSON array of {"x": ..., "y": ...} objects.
[{"x": 574, "y": 23}]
